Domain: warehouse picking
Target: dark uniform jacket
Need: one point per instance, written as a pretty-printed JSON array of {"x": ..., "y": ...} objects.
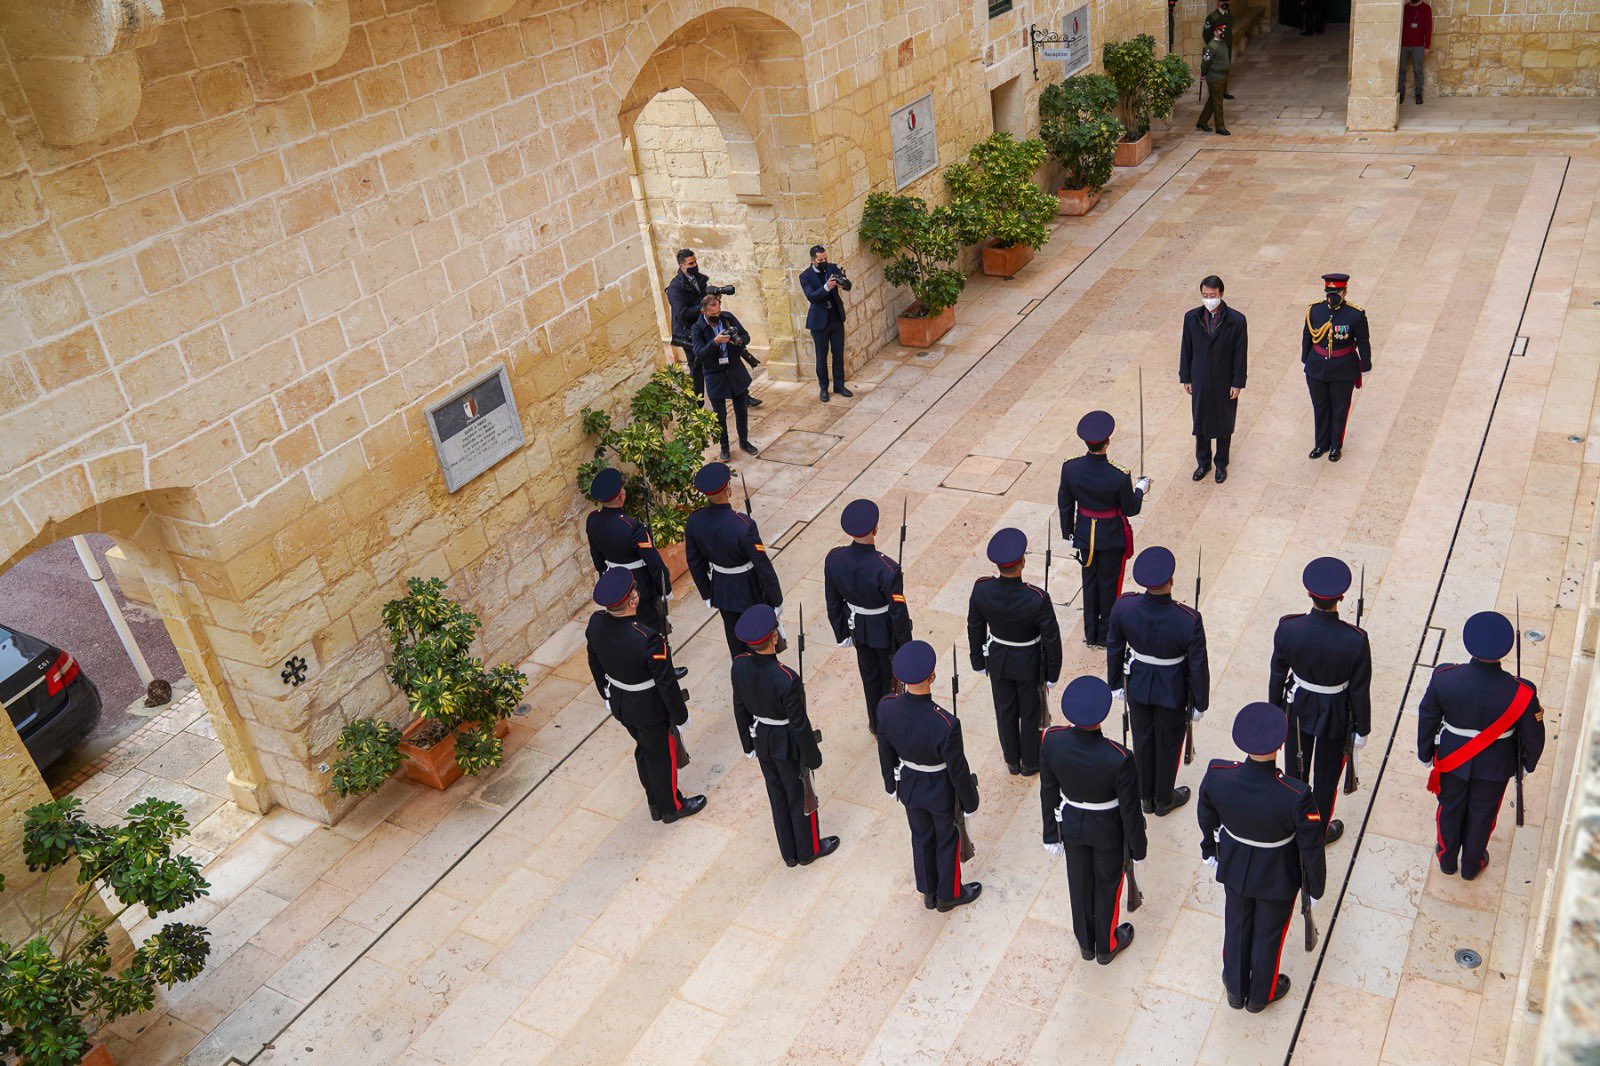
[
  {"x": 1255, "y": 801},
  {"x": 1471, "y": 696},
  {"x": 684, "y": 294},
  {"x": 1344, "y": 356},
  {"x": 1324, "y": 649},
  {"x": 1095, "y": 482},
  {"x": 625, "y": 651},
  {"x": 716, "y": 533},
  {"x": 862, "y": 575},
  {"x": 916, "y": 729},
  {"x": 1211, "y": 364},
  {"x": 765, "y": 688},
  {"x": 1156, "y": 625},
  {"x": 826, "y": 307},
  {"x": 1013, "y": 610},
  {"x": 722, "y": 365},
  {"x": 1090, "y": 767},
  {"x": 615, "y": 537}
]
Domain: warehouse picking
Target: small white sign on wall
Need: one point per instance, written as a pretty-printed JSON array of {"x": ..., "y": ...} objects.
[
  {"x": 1073, "y": 51},
  {"x": 916, "y": 145}
]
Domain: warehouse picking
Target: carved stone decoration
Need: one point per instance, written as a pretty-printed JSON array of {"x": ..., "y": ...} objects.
[
  {"x": 294, "y": 37},
  {"x": 462, "y": 12},
  {"x": 76, "y": 62}
]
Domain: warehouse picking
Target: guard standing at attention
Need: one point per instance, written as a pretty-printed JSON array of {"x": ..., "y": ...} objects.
[
  {"x": 1096, "y": 499},
  {"x": 618, "y": 540},
  {"x": 1156, "y": 660},
  {"x": 1335, "y": 350},
  {"x": 633, "y": 674},
  {"x": 866, "y": 598},
  {"x": 1262, "y": 836},
  {"x": 769, "y": 706},
  {"x": 1013, "y": 636},
  {"x": 1089, "y": 799},
  {"x": 726, "y": 557},
  {"x": 1474, "y": 724},
  {"x": 925, "y": 766},
  {"x": 1322, "y": 677}
]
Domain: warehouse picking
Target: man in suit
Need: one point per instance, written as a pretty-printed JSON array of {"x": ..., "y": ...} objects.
[
  {"x": 866, "y": 598},
  {"x": 726, "y": 556},
  {"x": 1095, "y": 499},
  {"x": 720, "y": 345},
  {"x": 684, "y": 293},
  {"x": 821, "y": 282},
  {"x": 1212, "y": 363}
]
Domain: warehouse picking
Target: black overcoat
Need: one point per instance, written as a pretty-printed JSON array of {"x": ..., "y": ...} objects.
[{"x": 1213, "y": 363}]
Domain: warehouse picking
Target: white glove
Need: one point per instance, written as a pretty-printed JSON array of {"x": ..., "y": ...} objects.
[
  {"x": 846, "y": 642},
  {"x": 1360, "y": 742},
  {"x": 1142, "y": 485},
  {"x": 1120, "y": 694},
  {"x": 984, "y": 673},
  {"x": 778, "y": 611},
  {"x": 1311, "y": 902},
  {"x": 667, "y": 596},
  {"x": 1137, "y": 862},
  {"x": 1197, "y": 715},
  {"x": 685, "y": 724},
  {"x": 608, "y": 705},
  {"x": 1048, "y": 685},
  {"x": 1212, "y": 863},
  {"x": 1056, "y": 849},
  {"x": 749, "y": 755},
  {"x": 707, "y": 603}
]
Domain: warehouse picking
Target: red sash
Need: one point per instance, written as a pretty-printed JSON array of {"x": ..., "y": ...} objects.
[{"x": 1466, "y": 752}]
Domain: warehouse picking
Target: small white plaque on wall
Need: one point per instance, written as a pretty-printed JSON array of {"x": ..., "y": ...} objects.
[
  {"x": 475, "y": 428},
  {"x": 916, "y": 145}
]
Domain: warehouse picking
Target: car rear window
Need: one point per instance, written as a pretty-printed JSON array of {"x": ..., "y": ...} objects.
[{"x": 18, "y": 650}]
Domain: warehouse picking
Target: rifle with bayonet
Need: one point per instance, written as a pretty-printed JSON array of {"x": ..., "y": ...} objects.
[
  {"x": 1135, "y": 897},
  {"x": 1305, "y": 906},
  {"x": 967, "y": 850},
  {"x": 1044, "y": 687},
  {"x": 1352, "y": 779},
  {"x": 1188, "y": 717},
  {"x": 807, "y": 776},
  {"x": 746, "y": 489},
  {"x": 664, "y": 584},
  {"x": 1516, "y": 734}
]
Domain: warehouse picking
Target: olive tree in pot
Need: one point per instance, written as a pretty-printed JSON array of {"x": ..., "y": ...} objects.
[
  {"x": 921, "y": 247},
  {"x": 1147, "y": 88},
  {"x": 1078, "y": 130},
  {"x": 994, "y": 201},
  {"x": 59, "y": 982}
]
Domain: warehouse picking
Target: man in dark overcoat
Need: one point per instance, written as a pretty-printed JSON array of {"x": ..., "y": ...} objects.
[{"x": 1212, "y": 364}]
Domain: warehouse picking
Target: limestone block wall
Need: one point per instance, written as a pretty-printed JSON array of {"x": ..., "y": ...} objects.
[{"x": 1515, "y": 48}]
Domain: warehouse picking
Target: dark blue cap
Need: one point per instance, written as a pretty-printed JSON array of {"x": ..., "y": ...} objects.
[
  {"x": 914, "y": 662},
  {"x": 1095, "y": 427},
  {"x": 1326, "y": 578},
  {"x": 1086, "y": 700},
  {"x": 1007, "y": 547},
  {"x": 712, "y": 477},
  {"x": 860, "y": 517},
  {"x": 756, "y": 624},
  {"x": 606, "y": 485},
  {"x": 1259, "y": 729},
  {"x": 613, "y": 587},
  {"x": 1154, "y": 566},
  {"x": 1488, "y": 635},
  {"x": 1335, "y": 281}
]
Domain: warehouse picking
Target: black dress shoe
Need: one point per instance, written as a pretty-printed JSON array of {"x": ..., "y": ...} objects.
[
  {"x": 1222, "y": 132},
  {"x": 969, "y": 892},
  {"x": 842, "y": 391},
  {"x": 680, "y": 672},
  {"x": 1087, "y": 953},
  {"x": 691, "y": 807},
  {"x": 1333, "y": 456},
  {"x": 751, "y": 401},
  {"x": 1236, "y": 1002},
  {"x": 930, "y": 901},
  {"x": 1222, "y": 473},
  {"x": 1180, "y": 796},
  {"x": 1200, "y": 473},
  {"x": 1278, "y": 992},
  {"x": 1148, "y": 805},
  {"x": 724, "y": 453},
  {"x": 828, "y": 847},
  {"x": 1124, "y": 937},
  {"x": 748, "y": 448},
  {"x": 1029, "y": 771},
  {"x": 1335, "y": 831},
  {"x": 822, "y": 394},
  {"x": 791, "y": 862},
  {"x": 655, "y": 814},
  {"x": 1227, "y": 96},
  {"x": 1316, "y": 453},
  {"x": 1472, "y": 875},
  {"x": 1014, "y": 767},
  {"x": 1448, "y": 871},
  {"x": 1202, "y": 126}
]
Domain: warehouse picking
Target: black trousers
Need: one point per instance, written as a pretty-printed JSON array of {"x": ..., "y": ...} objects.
[
  {"x": 1330, "y": 404},
  {"x": 797, "y": 830},
  {"x": 655, "y": 756},
  {"x": 1157, "y": 749},
  {"x": 695, "y": 373},
  {"x": 825, "y": 340},
  {"x": 1319, "y": 762},
  {"x": 1467, "y": 814},
  {"x": 1094, "y": 880},
  {"x": 1202, "y": 449},
  {"x": 1252, "y": 944},
  {"x": 1313, "y": 16},
  {"x": 876, "y": 666},
  {"x": 1016, "y": 719},
  {"x": 730, "y": 619},
  {"x": 935, "y": 852},
  {"x": 741, "y": 417},
  {"x": 1102, "y": 584}
]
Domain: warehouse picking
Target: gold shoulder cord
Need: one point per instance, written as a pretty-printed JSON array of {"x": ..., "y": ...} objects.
[{"x": 1319, "y": 334}]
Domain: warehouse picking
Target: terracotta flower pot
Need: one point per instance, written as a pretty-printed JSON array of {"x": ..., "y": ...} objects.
[
  {"x": 98, "y": 1056},
  {"x": 1076, "y": 201},
  {"x": 925, "y": 331},
  {"x": 677, "y": 563},
  {"x": 1132, "y": 153},
  {"x": 1005, "y": 262},
  {"x": 436, "y": 766}
]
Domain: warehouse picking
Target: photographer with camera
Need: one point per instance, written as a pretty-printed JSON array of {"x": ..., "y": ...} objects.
[
  {"x": 822, "y": 281},
  {"x": 719, "y": 343},
  {"x": 684, "y": 293}
]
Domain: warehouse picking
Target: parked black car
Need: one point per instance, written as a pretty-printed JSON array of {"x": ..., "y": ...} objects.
[{"x": 50, "y": 701}]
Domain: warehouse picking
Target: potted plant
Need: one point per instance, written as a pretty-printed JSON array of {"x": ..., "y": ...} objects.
[
  {"x": 921, "y": 247},
  {"x": 1079, "y": 132},
  {"x": 369, "y": 754},
  {"x": 58, "y": 983},
  {"x": 1147, "y": 88},
  {"x": 994, "y": 201},
  {"x": 664, "y": 442}
]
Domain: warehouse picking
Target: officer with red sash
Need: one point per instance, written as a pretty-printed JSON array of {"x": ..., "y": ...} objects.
[
  {"x": 1095, "y": 499},
  {"x": 866, "y": 598},
  {"x": 1335, "y": 350},
  {"x": 1474, "y": 722}
]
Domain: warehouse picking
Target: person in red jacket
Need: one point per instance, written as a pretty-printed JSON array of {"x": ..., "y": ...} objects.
[{"x": 1416, "y": 37}]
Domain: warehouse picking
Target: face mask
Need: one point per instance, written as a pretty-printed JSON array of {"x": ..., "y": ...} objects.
[
  {"x": 693, "y": 272},
  {"x": 1212, "y": 302},
  {"x": 1335, "y": 299}
]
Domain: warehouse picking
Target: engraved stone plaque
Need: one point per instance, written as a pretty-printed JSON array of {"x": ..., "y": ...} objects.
[{"x": 475, "y": 428}]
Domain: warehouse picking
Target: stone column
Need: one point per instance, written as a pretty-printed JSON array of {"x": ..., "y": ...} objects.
[{"x": 1374, "y": 65}]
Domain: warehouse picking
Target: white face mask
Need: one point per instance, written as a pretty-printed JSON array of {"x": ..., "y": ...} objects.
[{"x": 1212, "y": 302}]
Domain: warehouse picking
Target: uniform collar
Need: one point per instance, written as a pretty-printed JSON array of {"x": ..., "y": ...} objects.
[
  {"x": 1262, "y": 767},
  {"x": 1100, "y": 457},
  {"x": 720, "y": 506},
  {"x": 1159, "y": 597},
  {"x": 1482, "y": 664},
  {"x": 1316, "y": 613}
]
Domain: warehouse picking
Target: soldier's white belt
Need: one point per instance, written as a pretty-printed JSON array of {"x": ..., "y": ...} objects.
[
  {"x": 1108, "y": 805},
  {"x": 1296, "y": 684},
  {"x": 765, "y": 721},
  {"x": 741, "y": 569},
  {"x": 1446, "y": 727},
  {"x": 854, "y": 610},
  {"x": 1259, "y": 843},
  {"x": 624, "y": 566},
  {"x": 1008, "y": 643},
  {"x": 643, "y": 686},
  {"x": 1152, "y": 660},
  {"x": 906, "y": 765}
]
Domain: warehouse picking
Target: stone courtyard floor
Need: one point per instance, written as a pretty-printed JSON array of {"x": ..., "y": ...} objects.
[{"x": 539, "y": 915}]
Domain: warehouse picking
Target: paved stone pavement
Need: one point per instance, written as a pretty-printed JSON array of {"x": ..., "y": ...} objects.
[{"x": 539, "y": 915}]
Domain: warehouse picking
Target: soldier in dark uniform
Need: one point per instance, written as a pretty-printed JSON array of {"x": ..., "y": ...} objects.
[
  {"x": 1335, "y": 350},
  {"x": 1262, "y": 836},
  {"x": 1474, "y": 723},
  {"x": 726, "y": 557},
  {"x": 1156, "y": 660},
  {"x": 1089, "y": 799},
  {"x": 1322, "y": 677},
  {"x": 1096, "y": 499},
  {"x": 866, "y": 603},
  {"x": 925, "y": 767},
  {"x": 633, "y": 674},
  {"x": 1013, "y": 636},
  {"x": 769, "y": 706},
  {"x": 618, "y": 540}
]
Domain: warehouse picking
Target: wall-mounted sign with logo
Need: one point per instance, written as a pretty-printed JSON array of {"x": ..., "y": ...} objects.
[
  {"x": 916, "y": 145},
  {"x": 475, "y": 428},
  {"x": 1073, "y": 49}
]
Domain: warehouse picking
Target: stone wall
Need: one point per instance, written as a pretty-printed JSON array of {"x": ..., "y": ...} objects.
[{"x": 1515, "y": 48}]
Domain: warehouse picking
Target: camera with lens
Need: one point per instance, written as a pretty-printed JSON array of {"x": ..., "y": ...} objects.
[
  {"x": 736, "y": 336},
  {"x": 719, "y": 290},
  {"x": 838, "y": 272}
]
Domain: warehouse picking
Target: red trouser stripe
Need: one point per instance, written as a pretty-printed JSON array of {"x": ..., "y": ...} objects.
[
  {"x": 1116, "y": 911},
  {"x": 1438, "y": 826},
  {"x": 672, "y": 761},
  {"x": 816, "y": 841},
  {"x": 1277, "y": 962},
  {"x": 957, "y": 894}
]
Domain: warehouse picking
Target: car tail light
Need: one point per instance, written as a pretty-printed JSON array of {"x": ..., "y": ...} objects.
[{"x": 61, "y": 674}]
